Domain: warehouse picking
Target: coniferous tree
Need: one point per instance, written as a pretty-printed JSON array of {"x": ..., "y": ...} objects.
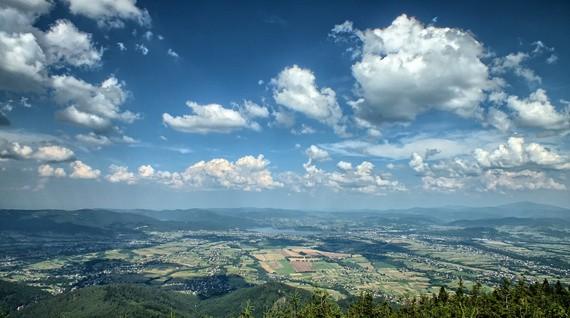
[
  {"x": 442, "y": 296},
  {"x": 322, "y": 305},
  {"x": 509, "y": 301},
  {"x": 247, "y": 311}
]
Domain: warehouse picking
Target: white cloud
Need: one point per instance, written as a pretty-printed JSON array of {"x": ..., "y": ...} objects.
[
  {"x": 552, "y": 59},
  {"x": 172, "y": 53},
  {"x": 15, "y": 20},
  {"x": 73, "y": 115},
  {"x": 121, "y": 46},
  {"x": 120, "y": 174},
  {"x": 536, "y": 111},
  {"x": 91, "y": 106},
  {"x": 53, "y": 153},
  {"x": 253, "y": 110},
  {"x": 22, "y": 62},
  {"x": 453, "y": 144},
  {"x": 284, "y": 118},
  {"x": 303, "y": 130},
  {"x": 26, "y": 137},
  {"x": 408, "y": 68},
  {"x": 148, "y": 35},
  {"x": 97, "y": 140},
  {"x": 497, "y": 97},
  {"x": 417, "y": 164},
  {"x": 33, "y": 7},
  {"x": 339, "y": 31},
  {"x": 24, "y": 102},
  {"x": 172, "y": 179},
  {"x": 81, "y": 170},
  {"x": 248, "y": 173},
  {"x": 360, "y": 179},
  {"x": 514, "y": 62},
  {"x": 371, "y": 129},
  {"x": 146, "y": 171},
  {"x": 14, "y": 150},
  {"x": 7, "y": 107},
  {"x": 518, "y": 154},
  {"x": 110, "y": 13},
  {"x": 67, "y": 44},
  {"x": 443, "y": 184},
  {"x": 19, "y": 16},
  {"x": 509, "y": 167},
  {"x": 295, "y": 88},
  {"x": 497, "y": 179},
  {"x": 18, "y": 151},
  {"x": 93, "y": 139},
  {"x": 141, "y": 48},
  {"x": 499, "y": 119},
  {"x": 27, "y": 54},
  {"x": 316, "y": 154},
  {"x": 49, "y": 171},
  {"x": 363, "y": 179},
  {"x": 343, "y": 165},
  {"x": 456, "y": 167},
  {"x": 126, "y": 140},
  {"x": 210, "y": 118},
  {"x": 540, "y": 47},
  {"x": 452, "y": 168}
]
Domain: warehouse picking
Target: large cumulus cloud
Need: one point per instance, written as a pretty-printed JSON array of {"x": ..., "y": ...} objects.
[{"x": 408, "y": 68}]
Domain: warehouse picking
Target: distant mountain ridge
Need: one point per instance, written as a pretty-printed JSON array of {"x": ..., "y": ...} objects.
[
  {"x": 109, "y": 221},
  {"x": 510, "y": 221},
  {"x": 518, "y": 209}
]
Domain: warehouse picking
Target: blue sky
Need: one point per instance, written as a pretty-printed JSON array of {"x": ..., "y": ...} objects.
[{"x": 317, "y": 105}]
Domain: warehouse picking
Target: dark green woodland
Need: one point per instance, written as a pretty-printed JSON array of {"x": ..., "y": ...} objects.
[{"x": 273, "y": 300}]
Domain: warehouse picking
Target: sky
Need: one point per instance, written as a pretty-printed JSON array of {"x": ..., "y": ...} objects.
[{"x": 283, "y": 104}]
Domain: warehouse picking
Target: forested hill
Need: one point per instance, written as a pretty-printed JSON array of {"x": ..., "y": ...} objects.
[
  {"x": 519, "y": 300},
  {"x": 124, "y": 300},
  {"x": 280, "y": 301}
]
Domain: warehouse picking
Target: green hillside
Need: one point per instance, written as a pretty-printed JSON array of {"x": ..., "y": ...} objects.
[
  {"x": 113, "y": 301},
  {"x": 275, "y": 300},
  {"x": 144, "y": 301},
  {"x": 80, "y": 222},
  {"x": 13, "y": 295},
  {"x": 260, "y": 298}
]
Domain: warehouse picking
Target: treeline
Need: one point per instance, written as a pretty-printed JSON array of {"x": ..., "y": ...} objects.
[
  {"x": 275, "y": 300},
  {"x": 519, "y": 300}
]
